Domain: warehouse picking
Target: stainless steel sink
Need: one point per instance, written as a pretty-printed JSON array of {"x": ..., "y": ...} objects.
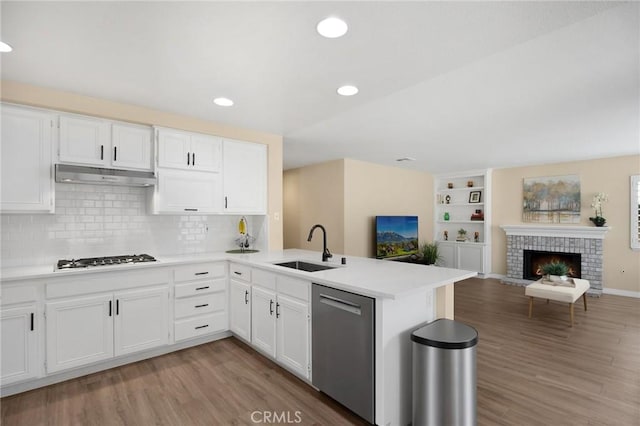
[{"x": 304, "y": 266}]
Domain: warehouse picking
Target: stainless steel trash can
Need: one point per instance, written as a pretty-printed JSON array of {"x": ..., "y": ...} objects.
[{"x": 444, "y": 374}]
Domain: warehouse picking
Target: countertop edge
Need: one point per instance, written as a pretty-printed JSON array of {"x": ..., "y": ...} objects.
[{"x": 263, "y": 260}]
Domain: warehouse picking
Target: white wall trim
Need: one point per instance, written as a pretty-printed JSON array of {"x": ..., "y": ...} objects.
[
  {"x": 624, "y": 293},
  {"x": 593, "y": 232}
]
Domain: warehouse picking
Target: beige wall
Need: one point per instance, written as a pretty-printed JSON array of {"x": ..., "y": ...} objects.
[
  {"x": 373, "y": 189},
  {"x": 314, "y": 194},
  {"x": 65, "y": 101},
  {"x": 610, "y": 175},
  {"x": 345, "y": 196}
]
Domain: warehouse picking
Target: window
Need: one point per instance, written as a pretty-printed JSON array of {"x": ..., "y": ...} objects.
[{"x": 635, "y": 212}]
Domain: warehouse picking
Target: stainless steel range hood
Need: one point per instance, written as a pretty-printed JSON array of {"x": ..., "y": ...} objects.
[{"x": 95, "y": 175}]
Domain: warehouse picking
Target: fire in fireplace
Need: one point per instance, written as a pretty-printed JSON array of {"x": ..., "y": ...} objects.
[{"x": 534, "y": 259}]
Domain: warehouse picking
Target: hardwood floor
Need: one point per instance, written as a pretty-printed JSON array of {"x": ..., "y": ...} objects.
[
  {"x": 540, "y": 371},
  {"x": 220, "y": 383},
  {"x": 535, "y": 371}
]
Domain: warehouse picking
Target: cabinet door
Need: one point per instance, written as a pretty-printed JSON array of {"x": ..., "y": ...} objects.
[
  {"x": 130, "y": 147},
  {"x": 263, "y": 321},
  {"x": 187, "y": 191},
  {"x": 206, "y": 153},
  {"x": 141, "y": 319},
  {"x": 27, "y": 143},
  {"x": 245, "y": 177},
  {"x": 84, "y": 140},
  {"x": 19, "y": 344},
  {"x": 447, "y": 254},
  {"x": 240, "y": 309},
  {"x": 79, "y": 331},
  {"x": 293, "y": 335},
  {"x": 471, "y": 257},
  {"x": 173, "y": 149}
]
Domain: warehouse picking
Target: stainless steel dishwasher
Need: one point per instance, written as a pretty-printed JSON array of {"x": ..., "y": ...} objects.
[{"x": 343, "y": 351}]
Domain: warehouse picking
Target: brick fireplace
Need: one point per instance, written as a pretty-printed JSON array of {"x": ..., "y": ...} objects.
[{"x": 582, "y": 244}]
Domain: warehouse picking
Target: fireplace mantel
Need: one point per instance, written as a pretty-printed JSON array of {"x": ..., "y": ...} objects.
[{"x": 563, "y": 231}]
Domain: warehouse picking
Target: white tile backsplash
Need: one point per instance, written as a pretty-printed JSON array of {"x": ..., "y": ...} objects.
[{"x": 101, "y": 220}]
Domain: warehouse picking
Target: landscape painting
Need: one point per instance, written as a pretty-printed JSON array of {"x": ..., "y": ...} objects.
[
  {"x": 396, "y": 236},
  {"x": 554, "y": 199}
]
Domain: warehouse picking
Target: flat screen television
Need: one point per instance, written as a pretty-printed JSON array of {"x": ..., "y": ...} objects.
[{"x": 396, "y": 236}]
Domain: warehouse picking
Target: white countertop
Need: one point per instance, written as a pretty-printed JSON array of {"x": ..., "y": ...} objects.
[{"x": 369, "y": 277}]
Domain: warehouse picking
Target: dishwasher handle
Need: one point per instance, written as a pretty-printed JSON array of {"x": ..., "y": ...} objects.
[{"x": 341, "y": 304}]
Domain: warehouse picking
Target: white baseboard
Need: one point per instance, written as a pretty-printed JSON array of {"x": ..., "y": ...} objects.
[
  {"x": 625, "y": 293},
  {"x": 496, "y": 276}
]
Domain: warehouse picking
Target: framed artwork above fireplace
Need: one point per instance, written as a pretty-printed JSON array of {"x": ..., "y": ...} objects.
[{"x": 551, "y": 199}]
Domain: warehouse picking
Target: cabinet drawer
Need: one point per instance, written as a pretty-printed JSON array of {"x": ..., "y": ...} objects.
[
  {"x": 205, "y": 324},
  {"x": 198, "y": 305},
  {"x": 240, "y": 272},
  {"x": 294, "y": 287},
  {"x": 263, "y": 278},
  {"x": 200, "y": 287},
  {"x": 19, "y": 294},
  {"x": 199, "y": 271}
]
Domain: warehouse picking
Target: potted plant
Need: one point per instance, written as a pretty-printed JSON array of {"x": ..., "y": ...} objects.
[
  {"x": 598, "y": 199},
  {"x": 462, "y": 235},
  {"x": 429, "y": 253},
  {"x": 555, "y": 270}
]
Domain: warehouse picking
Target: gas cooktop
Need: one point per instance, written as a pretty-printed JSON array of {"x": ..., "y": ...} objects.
[{"x": 104, "y": 261}]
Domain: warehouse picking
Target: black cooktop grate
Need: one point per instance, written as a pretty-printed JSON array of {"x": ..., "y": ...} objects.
[{"x": 104, "y": 261}]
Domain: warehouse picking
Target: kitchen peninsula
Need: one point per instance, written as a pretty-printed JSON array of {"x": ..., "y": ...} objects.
[{"x": 136, "y": 311}]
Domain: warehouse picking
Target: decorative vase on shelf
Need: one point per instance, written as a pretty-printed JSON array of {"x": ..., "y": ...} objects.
[
  {"x": 598, "y": 220},
  {"x": 446, "y": 216}
]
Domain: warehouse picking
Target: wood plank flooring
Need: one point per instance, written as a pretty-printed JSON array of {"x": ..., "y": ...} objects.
[
  {"x": 535, "y": 371},
  {"x": 540, "y": 371},
  {"x": 220, "y": 383}
]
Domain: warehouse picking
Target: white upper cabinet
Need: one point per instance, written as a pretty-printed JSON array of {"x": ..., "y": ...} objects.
[
  {"x": 188, "y": 151},
  {"x": 245, "y": 177},
  {"x": 96, "y": 142},
  {"x": 26, "y": 151},
  {"x": 131, "y": 146},
  {"x": 181, "y": 191},
  {"x": 84, "y": 140}
]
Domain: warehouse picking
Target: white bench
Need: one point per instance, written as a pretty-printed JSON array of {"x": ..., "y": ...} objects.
[{"x": 558, "y": 293}]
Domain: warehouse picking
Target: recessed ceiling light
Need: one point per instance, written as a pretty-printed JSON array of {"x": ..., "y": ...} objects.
[
  {"x": 347, "y": 90},
  {"x": 332, "y": 27},
  {"x": 4, "y": 47},
  {"x": 225, "y": 102}
]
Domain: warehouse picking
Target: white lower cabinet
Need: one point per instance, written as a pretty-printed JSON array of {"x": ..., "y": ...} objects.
[
  {"x": 94, "y": 328},
  {"x": 263, "y": 324},
  {"x": 200, "y": 305},
  {"x": 240, "y": 309},
  {"x": 141, "y": 320},
  {"x": 280, "y": 320},
  {"x": 468, "y": 256},
  {"x": 293, "y": 334},
  {"x": 19, "y": 354}
]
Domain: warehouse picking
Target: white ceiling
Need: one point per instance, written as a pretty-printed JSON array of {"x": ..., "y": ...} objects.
[{"x": 457, "y": 85}]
